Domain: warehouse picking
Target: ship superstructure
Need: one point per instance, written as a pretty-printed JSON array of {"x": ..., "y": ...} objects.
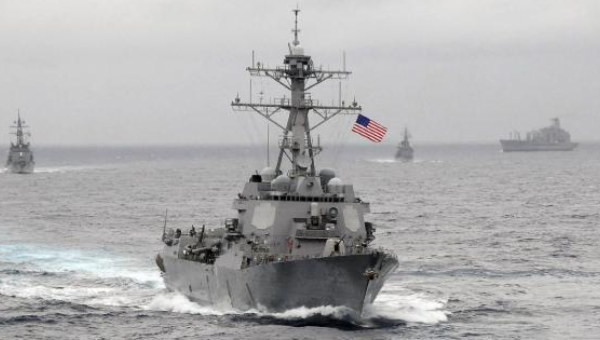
[
  {"x": 20, "y": 157},
  {"x": 300, "y": 237},
  {"x": 405, "y": 151},
  {"x": 551, "y": 138}
]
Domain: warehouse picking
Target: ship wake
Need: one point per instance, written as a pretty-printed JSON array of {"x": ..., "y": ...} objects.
[
  {"x": 75, "y": 276},
  {"x": 96, "y": 280},
  {"x": 389, "y": 310},
  {"x": 62, "y": 169}
]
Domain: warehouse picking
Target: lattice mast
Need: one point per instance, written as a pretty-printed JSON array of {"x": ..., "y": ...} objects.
[
  {"x": 298, "y": 75},
  {"x": 19, "y": 130}
]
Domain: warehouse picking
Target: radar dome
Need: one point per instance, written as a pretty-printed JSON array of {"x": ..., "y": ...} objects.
[
  {"x": 297, "y": 50},
  {"x": 335, "y": 186},
  {"x": 281, "y": 183},
  {"x": 268, "y": 174},
  {"x": 326, "y": 174}
]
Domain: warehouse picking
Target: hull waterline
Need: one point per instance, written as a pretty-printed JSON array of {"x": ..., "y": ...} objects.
[
  {"x": 521, "y": 146},
  {"x": 352, "y": 281}
]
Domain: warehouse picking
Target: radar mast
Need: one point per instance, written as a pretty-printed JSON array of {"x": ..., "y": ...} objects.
[
  {"x": 298, "y": 75},
  {"x": 20, "y": 126}
]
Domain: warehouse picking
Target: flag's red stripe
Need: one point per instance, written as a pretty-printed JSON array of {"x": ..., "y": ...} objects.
[
  {"x": 370, "y": 132},
  {"x": 377, "y": 127},
  {"x": 363, "y": 133},
  {"x": 360, "y": 128},
  {"x": 373, "y": 139},
  {"x": 374, "y": 132},
  {"x": 367, "y": 133},
  {"x": 377, "y": 132},
  {"x": 376, "y": 124}
]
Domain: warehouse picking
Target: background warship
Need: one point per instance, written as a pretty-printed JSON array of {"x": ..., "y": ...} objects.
[
  {"x": 20, "y": 157},
  {"x": 405, "y": 151},
  {"x": 300, "y": 238},
  {"x": 551, "y": 138}
]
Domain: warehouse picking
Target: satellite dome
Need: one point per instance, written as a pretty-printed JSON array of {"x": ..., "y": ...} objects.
[
  {"x": 297, "y": 50},
  {"x": 281, "y": 183},
  {"x": 326, "y": 174},
  {"x": 335, "y": 186},
  {"x": 268, "y": 174}
]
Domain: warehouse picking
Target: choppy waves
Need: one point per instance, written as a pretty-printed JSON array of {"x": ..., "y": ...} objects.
[
  {"x": 92, "y": 279},
  {"x": 74, "y": 276},
  {"x": 63, "y": 169}
]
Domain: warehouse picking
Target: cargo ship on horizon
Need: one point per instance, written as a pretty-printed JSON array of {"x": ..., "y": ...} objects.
[{"x": 551, "y": 138}]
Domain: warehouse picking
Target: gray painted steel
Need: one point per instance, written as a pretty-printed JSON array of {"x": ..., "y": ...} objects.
[
  {"x": 299, "y": 238},
  {"x": 20, "y": 157},
  {"x": 279, "y": 286},
  {"x": 551, "y": 138},
  {"x": 405, "y": 151},
  {"x": 517, "y": 145}
]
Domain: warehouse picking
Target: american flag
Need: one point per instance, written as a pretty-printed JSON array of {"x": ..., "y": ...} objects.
[{"x": 369, "y": 129}]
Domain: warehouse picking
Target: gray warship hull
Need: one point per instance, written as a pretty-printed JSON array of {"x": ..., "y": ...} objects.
[
  {"x": 20, "y": 167},
  {"x": 405, "y": 154},
  {"x": 20, "y": 157},
  {"x": 517, "y": 146},
  {"x": 300, "y": 238},
  {"x": 352, "y": 281}
]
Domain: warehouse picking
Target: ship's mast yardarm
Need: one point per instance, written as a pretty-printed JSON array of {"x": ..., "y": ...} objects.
[
  {"x": 19, "y": 127},
  {"x": 298, "y": 75}
]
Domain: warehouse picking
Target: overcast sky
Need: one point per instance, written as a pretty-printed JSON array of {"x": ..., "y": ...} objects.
[{"x": 165, "y": 71}]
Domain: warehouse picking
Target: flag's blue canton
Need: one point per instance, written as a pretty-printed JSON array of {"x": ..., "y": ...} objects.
[{"x": 362, "y": 120}]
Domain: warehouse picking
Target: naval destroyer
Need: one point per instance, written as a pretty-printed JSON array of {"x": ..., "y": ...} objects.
[
  {"x": 405, "y": 151},
  {"x": 300, "y": 238},
  {"x": 20, "y": 157},
  {"x": 551, "y": 138}
]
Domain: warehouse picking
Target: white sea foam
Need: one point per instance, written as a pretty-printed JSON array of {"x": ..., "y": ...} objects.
[
  {"x": 408, "y": 306},
  {"x": 61, "y": 169},
  {"x": 178, "y": 303},
  {"x": 69, "y": 293},
  {"x": 384, "y": 160},
  {"x": 97, "y": 279},
  {"x": 84, "y": 277},
  {"x": 396, "y": 306},
  {"x": 55, "y": 169},
  {"x": 79, "y": 261},
  {"x": 303, "y": 312},
  {"x": 405, "y": 306}
]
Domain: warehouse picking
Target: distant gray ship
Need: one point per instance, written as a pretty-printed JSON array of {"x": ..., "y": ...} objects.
[
  {"x": 551, "y": 138},
  {"x": 300, "y": 238},
  {"x": 20, "y": 157},
  {"x": 405, "y": 151}
]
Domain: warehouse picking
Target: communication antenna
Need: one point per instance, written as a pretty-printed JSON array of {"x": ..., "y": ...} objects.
[
  {"x": 165, "y": 225},
  {"x": 296, "y": 42},
  {"x": 302, "y": 113}
]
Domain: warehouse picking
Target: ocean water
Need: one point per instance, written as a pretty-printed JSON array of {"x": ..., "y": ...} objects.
[{"x": 491, "y": 245}]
